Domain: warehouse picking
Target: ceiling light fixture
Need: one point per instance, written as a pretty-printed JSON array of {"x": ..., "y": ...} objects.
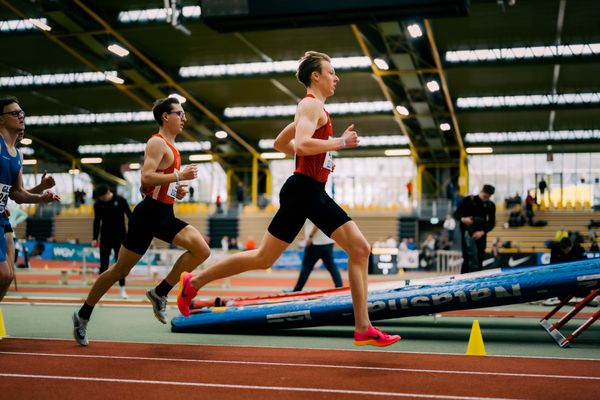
[
  {"x": 415, "y": 31},
  {"x": 272, "y": 156},
  {"x": 91, "y": 160},
  {"x": 402, "y": 110},
  {"x": 201, "y": 157},
  {"x": 115, "y": 79},
  {"x": 381, "y": 64},
  {"x": 40, "y": 24},
  {"x": 433, "y": 86},
  {"x": 178, "y": 97},
  {"x": 397, "y": 152},
  {"x": 118, "y": 50},
  {"x": 479, "y": 150}
]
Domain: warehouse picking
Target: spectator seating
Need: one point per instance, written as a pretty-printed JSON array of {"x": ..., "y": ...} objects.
[{"x": 528, "y": 237}]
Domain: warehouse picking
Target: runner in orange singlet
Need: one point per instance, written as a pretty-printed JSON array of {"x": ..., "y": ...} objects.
[
  {"x": 154, "y": 217},
  {"x": 303, "y": 196}
]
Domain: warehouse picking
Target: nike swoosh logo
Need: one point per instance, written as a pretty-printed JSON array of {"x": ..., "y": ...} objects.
[
  {"x": 373, "y": 337},
  {"x": 519, "y": 261},
  {"x": 488, "y": 262},
  {"x": 183, "y": 289}
]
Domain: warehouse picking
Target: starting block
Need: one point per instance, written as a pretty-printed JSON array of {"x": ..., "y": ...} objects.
[{"x": 553, "y": 329}]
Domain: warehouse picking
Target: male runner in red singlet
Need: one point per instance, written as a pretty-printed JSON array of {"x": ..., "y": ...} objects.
[
  {"x": 153, "y": 217},
  {"x": 303, "y": 196}
]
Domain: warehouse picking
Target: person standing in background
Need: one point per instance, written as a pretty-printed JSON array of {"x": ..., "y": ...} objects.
[
  {"x": 477, "y": 218},
  {"x": 109, "y": 224},
  {"x": 318, "y": 247}
]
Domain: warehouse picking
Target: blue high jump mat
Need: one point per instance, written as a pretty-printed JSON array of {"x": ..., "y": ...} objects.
[{"x": 404, "y": 298}]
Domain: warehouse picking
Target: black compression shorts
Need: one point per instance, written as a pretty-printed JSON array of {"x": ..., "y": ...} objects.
[
  {"x": 8, "y": 229},
  {"x": 302, "y": 197},
  {"x": 151, "y": 219}
]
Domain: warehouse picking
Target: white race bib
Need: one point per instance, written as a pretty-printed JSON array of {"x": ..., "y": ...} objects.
[
  {"x": 328, "y": 161},
  {"x": 4, "y": 191},
  {"x": 172, "y": 191}
]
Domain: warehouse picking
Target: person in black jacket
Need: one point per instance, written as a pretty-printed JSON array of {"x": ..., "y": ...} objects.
[
  {"x": 565, "y": 251},
  {"x": 477, "y": 217},
  {"x": 109, "y": 223}
]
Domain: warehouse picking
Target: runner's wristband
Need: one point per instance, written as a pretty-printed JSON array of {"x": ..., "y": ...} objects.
[
  {"x": 176, "y": 175},
  {"x": 343, "y": 143}
]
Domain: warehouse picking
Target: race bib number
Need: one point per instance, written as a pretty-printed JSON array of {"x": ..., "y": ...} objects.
[
  {"x": 328, "y": 161},
  {"x": 4, "y": 191},
  {"x": 172, "y": 191}
]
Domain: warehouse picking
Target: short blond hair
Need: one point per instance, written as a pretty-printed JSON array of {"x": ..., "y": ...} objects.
[{"x": 309, "y": 63}]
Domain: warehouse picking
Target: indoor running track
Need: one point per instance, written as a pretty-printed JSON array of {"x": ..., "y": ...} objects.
[{"x": 58, "y": 369}]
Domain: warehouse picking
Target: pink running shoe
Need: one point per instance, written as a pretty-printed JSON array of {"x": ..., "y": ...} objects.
[
  {"x": 186, "y": 294},
  {"x": 374, "y": 337}
]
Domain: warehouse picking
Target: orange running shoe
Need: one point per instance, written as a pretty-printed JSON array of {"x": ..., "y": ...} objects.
[
  {"x": 186, "y": 294},
  {"x": 374, "y": 337}
]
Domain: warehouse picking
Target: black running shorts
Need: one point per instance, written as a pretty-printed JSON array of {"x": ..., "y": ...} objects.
[
  {"x": 8, "y": 228},
  {"x": 151, "y": 219},
  {"x": 302, "y": 197}
]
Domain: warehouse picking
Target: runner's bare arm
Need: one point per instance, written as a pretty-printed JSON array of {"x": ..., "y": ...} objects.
[
  {"x": 47, "y": 182},
  {"x": 155, "y": 151},
  {"x": 20, "y": 195},
  {"x": 283, "y": 141},
  {"x": 307, "y": 119}
]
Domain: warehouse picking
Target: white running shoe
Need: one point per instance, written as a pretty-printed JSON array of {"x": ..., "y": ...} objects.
[
  {"x": 553, "y": 301},
  {"x": 159, "y": 305},
  {"x": 123, "y": 292},
  {"x": 80, "y": 329}
]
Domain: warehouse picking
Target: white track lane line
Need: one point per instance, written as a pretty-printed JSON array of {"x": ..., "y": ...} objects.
[
  {"x": 302, "y": 365},
  {"x": 358, "y": 350},
  {"x": 249, "y": 387}
]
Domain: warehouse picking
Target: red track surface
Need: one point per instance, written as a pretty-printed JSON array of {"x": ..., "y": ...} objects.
[{"x": 52, "y": 369}]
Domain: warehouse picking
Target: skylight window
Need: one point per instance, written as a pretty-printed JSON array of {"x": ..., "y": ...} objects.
[
  {"x": 528, "y": 100},
  {"x": 56, "y": 79},
  {"x": 16, "y": 25},
  {"x": 365, "y": 141},
  {"x": 155, "y": 15},
  {"x": 364, "y": 107},
  {"x": 532, "y": 136},
  {"x": 91, "y": 118},
  {"x": 263, "y": 68},
  {"x": 522, "y": 53},
  {"x": 122, "y": 148}
]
